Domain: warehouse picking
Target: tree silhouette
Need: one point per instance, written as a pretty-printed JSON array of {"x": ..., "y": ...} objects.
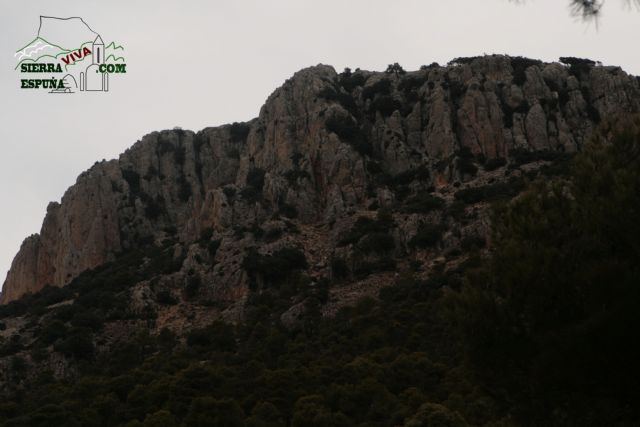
[
  {"x": 588, "y": 9},
  {"x": 395, "y": 68}
]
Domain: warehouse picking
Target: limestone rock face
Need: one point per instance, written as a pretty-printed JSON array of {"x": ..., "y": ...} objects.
[{"x": 323, "y": 146}]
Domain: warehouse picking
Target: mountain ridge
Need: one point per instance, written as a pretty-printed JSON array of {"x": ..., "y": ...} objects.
[{"x": 319, "y": 147}]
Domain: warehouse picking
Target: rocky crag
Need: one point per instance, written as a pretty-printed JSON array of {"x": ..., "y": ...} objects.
[{"x": 326, "y": 149}]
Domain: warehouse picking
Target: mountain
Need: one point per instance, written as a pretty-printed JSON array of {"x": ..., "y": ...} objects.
[
  {"x": 375, "y": 248},
  {"x": 56, "y": 37},
  {"x": 324, "y": 146},
  {"x": 68, "y": 33}
]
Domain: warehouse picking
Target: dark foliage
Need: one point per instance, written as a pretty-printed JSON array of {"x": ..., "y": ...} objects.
[
  {"x": 364, "y": 226},
  {"x": 427, "y": 236},
  {"x": 385, "y": 104},
  {"x": 229, "y": 192},
  {"x": 381, "y": 87},
  {"x": 463, "y": 60},
  {"x": 493, "y": 164},
  {"x": 348, "y": 130},
  {"x": 556, "y": 308},
  {"x": 133, "y": 179},
  {"x": 255, "y": 182},
  {"x": 520, "y": 65},
  {"x": 395, "y": 69},
  {"x": 411, "y": 82},
  {"x": 578, "y": 67},
  {"x": 339, "y": 269},
  {"x": 423, "y": 202},
  {"x": 522, "y": 108},
  {"x": 465, "y": 162},
  {"x": 288, "y": 210},
  {"x": 344, "y": 99},
  {"x": 153, "y": 207},
  {"x": 213, "y": 247},
  {"x": 184, "y": 189},
  {"x": 239, "y": 131},
  {"x": 276, "y": 267},
  {"x": 293, "y": 176},
  {"x": 350, "y": 81},
  {"x": 522, "y": 156},
  {"x": 490, "y": 192},
  {"x": 218, "y": 336},
  {"x": 377, "y": 242},
  {"x": 255, "y": 178}
]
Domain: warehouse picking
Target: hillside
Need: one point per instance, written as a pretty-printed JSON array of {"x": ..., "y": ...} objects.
[{"x": 375, "y": 248}]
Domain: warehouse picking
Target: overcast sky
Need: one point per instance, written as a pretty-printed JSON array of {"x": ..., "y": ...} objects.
[{"x": 203, "y": 63}]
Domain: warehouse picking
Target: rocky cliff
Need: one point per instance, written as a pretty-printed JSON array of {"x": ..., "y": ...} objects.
[{"x": 324, "y": 146}]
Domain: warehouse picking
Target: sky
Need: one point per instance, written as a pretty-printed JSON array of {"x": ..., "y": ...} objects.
[{"x": 196, "y": 64}]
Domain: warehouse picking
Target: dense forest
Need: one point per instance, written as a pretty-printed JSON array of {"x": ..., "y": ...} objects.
[{"x": 541, "y": 332}]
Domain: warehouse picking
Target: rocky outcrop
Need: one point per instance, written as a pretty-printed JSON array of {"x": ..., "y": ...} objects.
[{"x": 324, "y": 145}]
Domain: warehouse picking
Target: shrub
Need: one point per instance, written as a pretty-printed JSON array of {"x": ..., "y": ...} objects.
[
  {"x": 385, "y": 104},
  {"x": 348, "y": 131},
  {"x": 51, "y": 332},
  {"x": 229, "y": 192},
  {"x": 463, "y": 60},
  {"x": 493, "y": 164},
  {"x": 520, "y": 65},
  {"x": 287, "y": 210},
  {"x": 276, "y": 267},
  {"x": 423, "y": 202},
  {"x": 153, "y": 207},
  {"x": 428, "y": 235},
  {"x": 179, "y": 155},
  {"x": 396, "y": 69},
  {"x": 344, "y": 99},
  {"x": 339, "y": 268},
  {"x": 411, "y": 83},
  {"x": 251, "y": 194},
  {"x": 206, "y": 411},
  {"x": 192, "y": 287},
  {"x": 239, "y": 132},
  {"x": 164, "y": 297},
  {"x": 364, "y": 226},
  {"x": 218, "y": 336},
  {"x": 133, "y": 179},
  {"x": 578, "y": 67},
  {"x": 78, "y": 345},
  {"x": 255, "y": 182},
  {"x": 344, "y": 126},
  {"x": 184, "y": 189},
  {"x": 490, "y": 192},
  {"x": 213, "y": 246},
  {"x": 523, "y": 156},
  {"x": 381, "y": 87},
  {"x": 292, "y": 176},
  {"x": 472, "y": 242},
  {"x": 93, "y": 320},
  {"x": 12, "y": 346},
  {"x": 522, "y": 108},
  {"x": 378, "y": 242},
  {"x": 255, "y": 178},
  {"x": 464, "y": 163},
  {"x": 350, "y": 81},
  {"x": 272, "y": 234},
  {"x": 365, "y": 268}
]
